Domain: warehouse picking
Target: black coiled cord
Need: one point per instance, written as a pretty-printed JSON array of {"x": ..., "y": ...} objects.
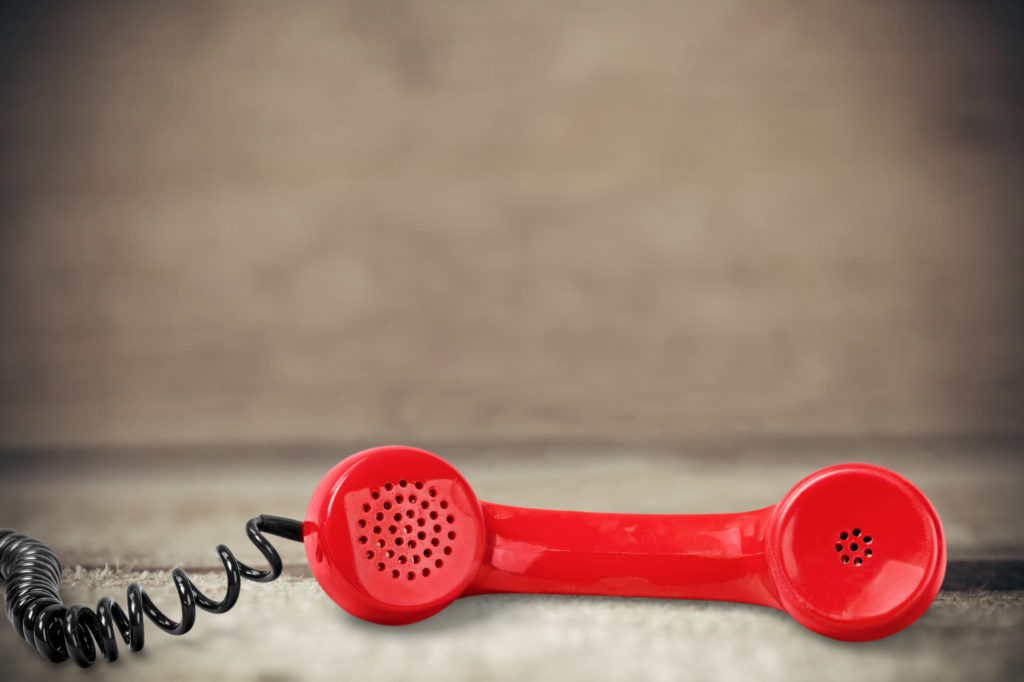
[{"x": 32, "y": 574}]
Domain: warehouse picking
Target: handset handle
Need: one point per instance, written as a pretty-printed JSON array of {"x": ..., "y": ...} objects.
[{"x": 689, "y": 556}]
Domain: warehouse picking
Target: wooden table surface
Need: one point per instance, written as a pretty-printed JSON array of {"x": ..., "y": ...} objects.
[{"x": 119, "y": 516}]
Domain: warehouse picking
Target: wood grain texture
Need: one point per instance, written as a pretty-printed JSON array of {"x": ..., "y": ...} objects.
[{"x": 288, "y": 631}]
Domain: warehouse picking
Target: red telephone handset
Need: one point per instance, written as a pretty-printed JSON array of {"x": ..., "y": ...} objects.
[{"x": 854, "y": 551}]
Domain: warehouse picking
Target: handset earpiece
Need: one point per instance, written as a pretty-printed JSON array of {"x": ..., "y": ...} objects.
[{"x": 854, "y": 551}]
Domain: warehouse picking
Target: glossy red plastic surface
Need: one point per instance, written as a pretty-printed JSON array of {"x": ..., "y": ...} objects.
[
  {"x": 853, "y": 551},
  {"x": 394, "y": 534}
]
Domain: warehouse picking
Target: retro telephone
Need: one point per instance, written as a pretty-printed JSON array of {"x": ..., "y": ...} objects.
[{"x": 394, "y": 534}]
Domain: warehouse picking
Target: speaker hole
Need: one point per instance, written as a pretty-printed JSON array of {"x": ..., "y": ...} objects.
[
  {"x": 839, "y": 547},
  {"x": 867, "y": 539},
  {"x": 867, "y": 552},
  {"x": 858, "y": 561},
  {"x": 853, "y": 547},
  {"x": 856, "y": 532},
  {"x": 845, "y": 559},
  {"x": 843, "y": 535}
]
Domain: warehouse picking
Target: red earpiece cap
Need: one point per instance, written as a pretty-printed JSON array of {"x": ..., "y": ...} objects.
[{"x": 856, "y": 552}]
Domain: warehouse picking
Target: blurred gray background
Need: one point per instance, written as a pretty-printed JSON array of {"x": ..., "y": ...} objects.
[
  {"x": 261, "y": 222},
  {"x": 655, "y": 256}
]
